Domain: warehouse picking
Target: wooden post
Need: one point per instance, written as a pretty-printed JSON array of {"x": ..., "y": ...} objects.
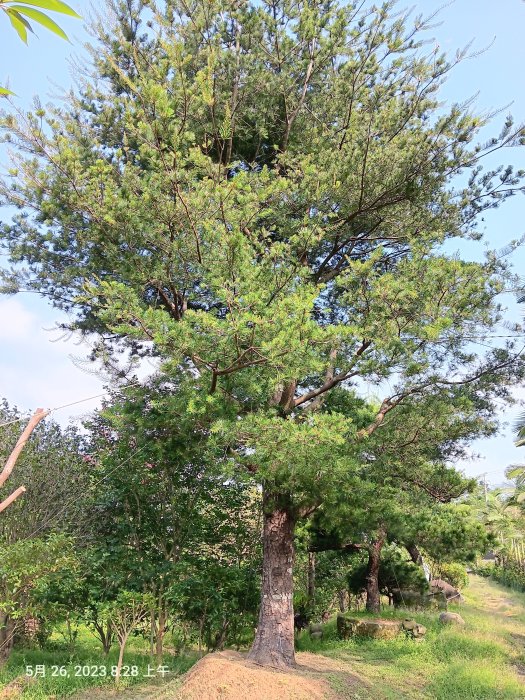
[{"x": 35, "y": 419}]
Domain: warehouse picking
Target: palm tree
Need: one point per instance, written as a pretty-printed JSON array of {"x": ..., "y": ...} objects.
[
  {"x": 505, "y": 519},
  {"x": 519, "y": 426},
  {"x": 516, "y": 473}
]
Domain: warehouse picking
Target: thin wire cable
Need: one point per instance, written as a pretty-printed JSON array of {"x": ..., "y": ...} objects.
[
  {"x": 12, "y": 422},
  {"x": 77, "y": 498},
  {"x": 67, "y": 405}
]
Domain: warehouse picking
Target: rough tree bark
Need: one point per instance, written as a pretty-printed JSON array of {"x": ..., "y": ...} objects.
[
  {"x": 415, "y": 554},
  {"x": 11, "y": 461},
  {"x": 373, "y": 597},
  {"x": 274, "y": 639}
]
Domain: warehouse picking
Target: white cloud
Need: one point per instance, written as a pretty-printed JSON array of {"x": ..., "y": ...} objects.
[
  {"x": 36, "y": 369},
  {"x": 16, "y": 321}
]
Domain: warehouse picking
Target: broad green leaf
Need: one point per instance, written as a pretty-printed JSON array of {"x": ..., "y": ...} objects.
[
  {"x": 514, "y": 471},
  {"x": 20, "y": 24},
  {"x": 53, "y": 5},
  {"x": 5, "y": 92},
  {"x": 42, "y": 19}
]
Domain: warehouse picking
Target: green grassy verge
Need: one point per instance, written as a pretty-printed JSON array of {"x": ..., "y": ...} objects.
[
  {"x": 67, "y": 673},
  {"x": 478, "y": 662}
]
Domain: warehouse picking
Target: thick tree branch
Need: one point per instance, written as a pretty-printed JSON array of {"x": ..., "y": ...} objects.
[
  {"x": 35, "y": 419},
  {"x": 10, "y": 499},
  {"x": 393, "y": 401},
  {"x": 442, "y": 495},
  {"x": 331, "y": 379}
]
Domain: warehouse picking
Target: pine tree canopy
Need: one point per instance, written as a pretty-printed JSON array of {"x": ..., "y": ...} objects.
[{"x": 260, "y": 193}]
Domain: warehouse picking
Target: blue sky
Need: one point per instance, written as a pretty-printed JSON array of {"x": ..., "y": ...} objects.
[{"x": 36, "y": 365}]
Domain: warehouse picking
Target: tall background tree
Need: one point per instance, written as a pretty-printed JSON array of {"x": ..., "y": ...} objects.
[
  {"x": 51, "y": 469},
  {"x": 259, "y": 194},
  {"x": 162, "y": 506}
]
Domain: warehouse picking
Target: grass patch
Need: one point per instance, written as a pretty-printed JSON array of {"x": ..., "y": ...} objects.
[
  {"x": 474, "y": 662},
  {"x": 67, "y": 673},
  {"x": 475, "y": 682},
  {"x": 455, "y": 645}
]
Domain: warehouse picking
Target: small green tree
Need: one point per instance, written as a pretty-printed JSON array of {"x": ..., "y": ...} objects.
[
  {"x": 23, "y": 567},
  {"x": 378, "y": 518},
  {"x": 448, "y": 533},
  {"x": 169, "y": 503},
  {"x": 395, "y": 572},
  {"x": 61, "y": 596},
  {"x": 125, "y": 614},
  {"x": 219, "y": 597}
]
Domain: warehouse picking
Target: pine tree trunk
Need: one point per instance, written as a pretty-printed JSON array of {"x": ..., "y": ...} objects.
[
  {"x": 274, "y": 639},
  {"x": 373, "y": 597},
  {"x": 415, "y": 554}
]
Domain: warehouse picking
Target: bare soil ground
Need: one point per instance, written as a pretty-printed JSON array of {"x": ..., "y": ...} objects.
[{"x": 228, "y": 675}]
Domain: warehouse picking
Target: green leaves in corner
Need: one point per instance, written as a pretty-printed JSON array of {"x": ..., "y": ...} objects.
[{"x": 22, "y": 14}]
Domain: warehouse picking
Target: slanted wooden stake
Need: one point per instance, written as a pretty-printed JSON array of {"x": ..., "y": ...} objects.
[{"x": 9, "y": 465}]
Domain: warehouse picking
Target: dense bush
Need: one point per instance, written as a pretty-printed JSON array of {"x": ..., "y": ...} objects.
[
  {"x": 218, "y": 599},
  {"x": 455, "y": 574},
  {"x": 395, "y": 572},
  {"x": 509, "y": 573}
]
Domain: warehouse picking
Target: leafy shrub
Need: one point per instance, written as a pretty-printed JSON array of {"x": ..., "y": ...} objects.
[
  {"x": 219, "y": 599},
  {"x": 455, "y": 574},
  {"x": 395, "y": 571},
  {"x": 483, "y": 568},
  {"x": 509, "y": 574}
]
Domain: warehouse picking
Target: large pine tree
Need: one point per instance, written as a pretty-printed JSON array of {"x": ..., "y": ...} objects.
[{"x": 259, "y": 193}]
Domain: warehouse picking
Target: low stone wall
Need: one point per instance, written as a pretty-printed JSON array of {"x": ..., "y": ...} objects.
[{"x": 348, "y": 626}]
